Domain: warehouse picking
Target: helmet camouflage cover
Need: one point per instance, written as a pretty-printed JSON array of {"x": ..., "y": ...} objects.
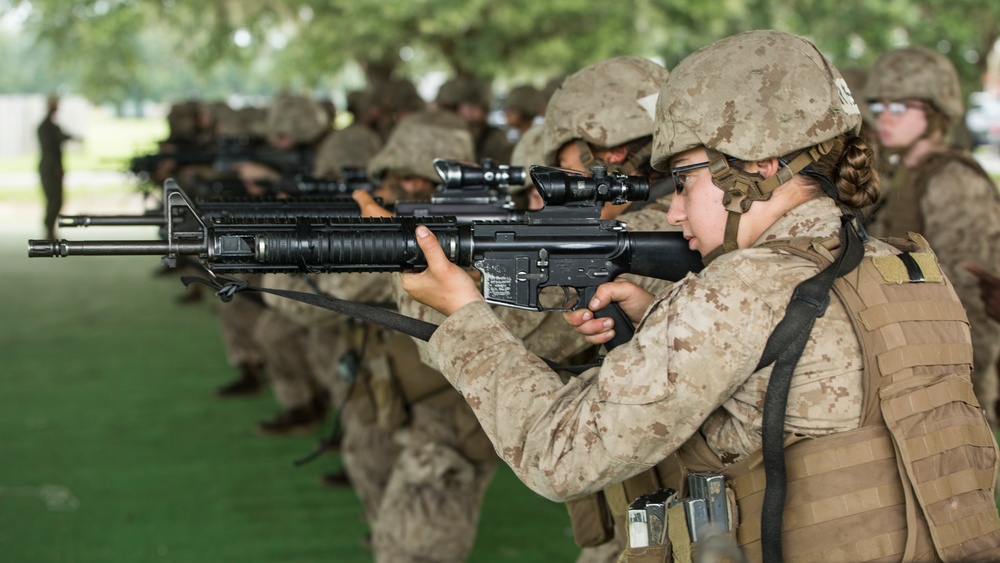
[
  {"x": 752, "y": 96},
  {"x": 415, "y": 143},
  {"x": 352, "y": 147},
  {"x": 183, "y": 119},
  {"x": 916, "y": 73},
  {"x": 462, "y": 89},
  {"x": 527, "y": 152},
  {"x": 298, "y": 117},
  {"x": 525, "y": 99},
  {"x": 605, "y": 104}
]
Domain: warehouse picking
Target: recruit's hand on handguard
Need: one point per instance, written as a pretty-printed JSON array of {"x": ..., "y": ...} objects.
[
  {"x": 631, "y": 298},
  {"x": 368, "y": 206},
  {"x": 442, "y": 286}
]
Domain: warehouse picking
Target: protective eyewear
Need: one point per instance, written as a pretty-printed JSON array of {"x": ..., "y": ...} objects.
[
  {"x": 681, "y": 176},
  {"x": 894, "y": 108}
]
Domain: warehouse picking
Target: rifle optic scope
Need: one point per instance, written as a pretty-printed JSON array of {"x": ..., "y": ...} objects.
[
  {"x": 559, "y": 186},
  {"x": 458, "y": 175}
]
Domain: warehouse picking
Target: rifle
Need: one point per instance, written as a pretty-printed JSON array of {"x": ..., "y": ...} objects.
[
  {"x": 468, "y": 192},
  {"x": 187, "y": 215},
  {"x": 564, "y": 245},
  {"x": 224, "y": 156},
  {"x": 351, "y": 179}
]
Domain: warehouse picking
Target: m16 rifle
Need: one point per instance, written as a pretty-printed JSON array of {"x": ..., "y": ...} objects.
[
  {"x": 351, "y": 179},
  {"x": 187, "y": 215},
  {"x": 564, "y": 245},
  {"x": 468, "y": 193},
  {"x": 223, "y": 156}
]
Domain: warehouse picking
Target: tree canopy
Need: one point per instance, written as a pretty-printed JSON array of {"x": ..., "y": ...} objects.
[{"x": 112, "y": 50}]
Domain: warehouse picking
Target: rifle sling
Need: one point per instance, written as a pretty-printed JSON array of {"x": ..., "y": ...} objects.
[
  {"x": 225, "y": 288},
  {"x": 784, "y": 348}
]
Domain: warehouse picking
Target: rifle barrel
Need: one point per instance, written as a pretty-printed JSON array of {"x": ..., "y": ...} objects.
[
  {"x": 111, "y": 220},
  {"x": 60, "y": 248}
]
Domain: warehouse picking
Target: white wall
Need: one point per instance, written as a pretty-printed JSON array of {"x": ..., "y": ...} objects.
[{"x": 21, "y": 114}]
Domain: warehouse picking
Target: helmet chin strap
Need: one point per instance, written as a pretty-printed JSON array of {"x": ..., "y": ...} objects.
[{"x": 742, "y": 189}]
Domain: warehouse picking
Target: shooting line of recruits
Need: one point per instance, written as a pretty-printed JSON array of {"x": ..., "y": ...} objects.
[{"x": 758, "y": 153}]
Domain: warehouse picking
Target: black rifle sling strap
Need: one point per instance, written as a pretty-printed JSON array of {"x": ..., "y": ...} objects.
[
  {"x": 784, "y": 348},
  {"x": 225, "y": 288}
]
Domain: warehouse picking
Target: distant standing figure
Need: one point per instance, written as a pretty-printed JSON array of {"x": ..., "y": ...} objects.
[{"x": 50, "y": 166}]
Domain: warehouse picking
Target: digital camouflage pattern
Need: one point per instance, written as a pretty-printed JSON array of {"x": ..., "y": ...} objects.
[
  {"x": 525, "y": 99},
  {"x": 299, "y": 117},
  {"x": 413, "y": 146},
  {"x": 857, "y": 78},
  {"x": 919, "y": 74},
  {"x": 960, "y": 216},
  {"x": 432, "y": 500},
  {"x": 459, "y": 90},
  {"x": 690, "y": 366},
  {"x": 589, "y": 104},
  {"x": 281, "y": 342},
  {"x": 419, "y": 469},
  {"x": 236, "y": 322},
  {"x": 352, "y": 147},
  {"x": 777, "y": 105},
  {"x": 528, "y": 151}
]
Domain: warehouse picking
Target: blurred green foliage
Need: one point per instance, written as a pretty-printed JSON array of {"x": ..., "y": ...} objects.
[{"x": 113, "y": 50}]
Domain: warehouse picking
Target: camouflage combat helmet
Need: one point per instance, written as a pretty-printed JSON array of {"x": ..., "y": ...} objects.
[
  {"x": 525, "y": 99},
  {"x": 919, "y": 74},
  {"x": 752, "y": 96},
  {"x": 229, "y": 123},
  {"x": 182, "y": 120},
  {"x": 254, "y": 121},
  {"x": 352, "y": 147},
  {"x": 438, "y": 117},
  {"x": 360, "y": 101},
  {"x": 415, "y": 143},
  {"x": 461, "y": 90},
  {"x": 297, "y": 117},
  {"x": 400, "y": 95},
  {"x": 527, "y": 152},
  {"x": 857, "y": 78},
  {"x": 606, "y": 104},
  {"x": 548, "y": 90}
]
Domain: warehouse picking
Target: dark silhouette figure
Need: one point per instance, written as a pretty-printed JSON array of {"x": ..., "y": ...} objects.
[{"x": 50, "y": 166}]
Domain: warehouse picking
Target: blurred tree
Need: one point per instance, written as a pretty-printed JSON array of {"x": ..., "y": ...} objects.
[{"x": 299, "y": 43}]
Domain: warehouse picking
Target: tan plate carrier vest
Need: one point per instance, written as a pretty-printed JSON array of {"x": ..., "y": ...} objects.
[
  {"x": 902, "y": 212},
  {"x": 393, "y": 379},
  {"x": 915, "y": 482}
]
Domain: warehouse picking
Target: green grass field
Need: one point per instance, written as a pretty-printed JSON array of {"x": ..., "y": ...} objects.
[{"x": 114, "y": 448}]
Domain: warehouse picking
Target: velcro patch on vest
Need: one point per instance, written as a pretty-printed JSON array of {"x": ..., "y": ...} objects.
[{"x": 917, "y": 267}]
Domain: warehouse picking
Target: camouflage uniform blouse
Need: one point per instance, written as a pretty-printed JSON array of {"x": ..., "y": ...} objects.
[{"x": 690, "y": 366}]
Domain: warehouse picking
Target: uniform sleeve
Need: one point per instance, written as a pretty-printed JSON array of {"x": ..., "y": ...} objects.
[
  {"x": 693, "y": 349},
  {"x": 962, "y": 223},
  {"x": 545, "y": 334}
]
